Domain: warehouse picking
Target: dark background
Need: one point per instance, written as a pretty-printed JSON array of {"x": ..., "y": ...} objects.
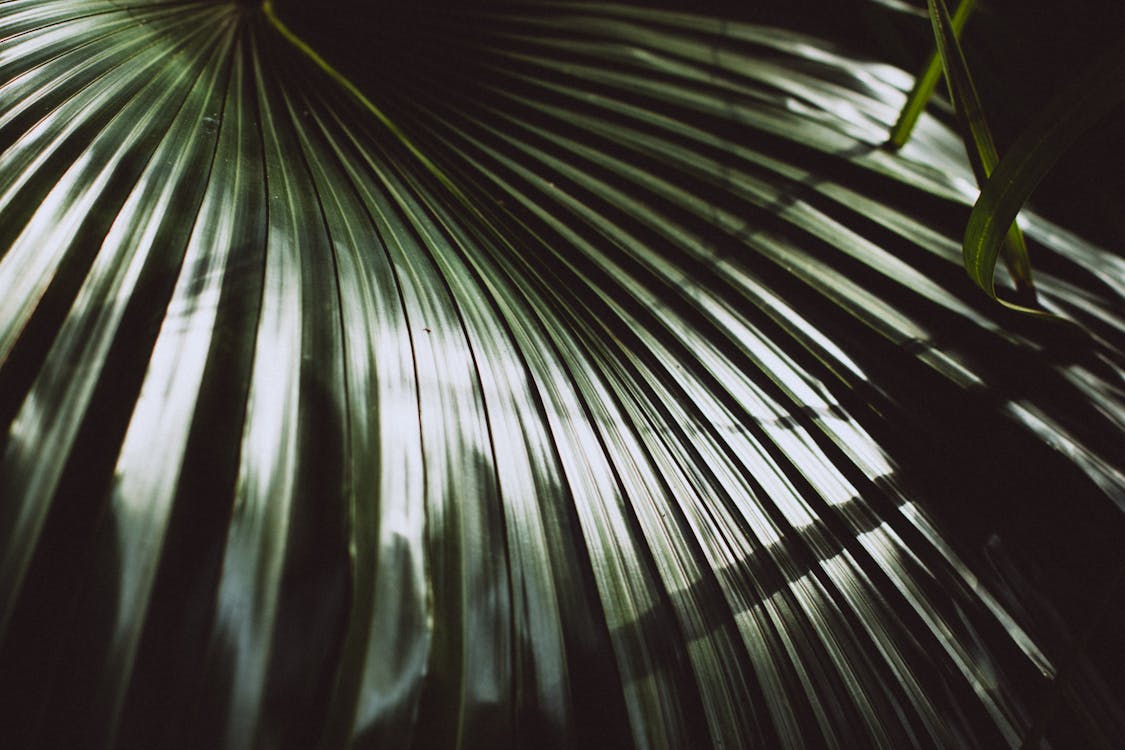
[{"x": 1021, "y": 54}]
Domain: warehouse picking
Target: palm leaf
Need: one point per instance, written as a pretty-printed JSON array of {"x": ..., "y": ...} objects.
[
  {"x": 979, "y": 146},
  {"x": 1063, "y": 121},
  {"x": 573, "y": 375},
  {"x": 925, "y": 83}
]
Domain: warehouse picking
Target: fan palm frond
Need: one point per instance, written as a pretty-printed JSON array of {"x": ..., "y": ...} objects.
[{"x": 572, "y": 373}]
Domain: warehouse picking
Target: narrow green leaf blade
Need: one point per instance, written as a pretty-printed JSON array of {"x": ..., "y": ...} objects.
[
  {"x": 925, "y": 83},
  {"x": 1073, "y": 112},
  {"x": 974, "y": 128},
  {"x": 963, "y": 92}
]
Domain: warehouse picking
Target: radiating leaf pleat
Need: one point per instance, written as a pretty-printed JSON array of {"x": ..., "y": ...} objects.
[{"x": 579, "y": 375}]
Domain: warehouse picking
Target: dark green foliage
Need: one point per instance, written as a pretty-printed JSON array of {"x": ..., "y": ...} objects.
[{"x": 530, "y": 375}]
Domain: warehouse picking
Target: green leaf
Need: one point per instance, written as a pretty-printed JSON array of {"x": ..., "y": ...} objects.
[
  {"x": 1095, "y": 94},
  {"x": 925, "y": 83},
  {"x": 540, "y": 374},
  {"x": 978, "y": 138}
]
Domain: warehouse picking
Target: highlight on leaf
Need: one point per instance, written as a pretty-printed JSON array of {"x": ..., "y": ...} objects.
[{"x": 540, "y": 374}]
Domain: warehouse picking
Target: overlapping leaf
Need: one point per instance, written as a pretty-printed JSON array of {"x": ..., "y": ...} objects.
[{"x": 575, "y": 385}]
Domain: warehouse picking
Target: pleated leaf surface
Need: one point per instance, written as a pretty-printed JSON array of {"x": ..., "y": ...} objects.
[{"x": 533, "y": 375}]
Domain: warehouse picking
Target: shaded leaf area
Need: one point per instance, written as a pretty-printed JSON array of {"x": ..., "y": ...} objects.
[
  {"x": 1092, "y": 97},
  {"x": 595, "y": 380}
]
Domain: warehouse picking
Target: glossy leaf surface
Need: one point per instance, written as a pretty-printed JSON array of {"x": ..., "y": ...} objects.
[{"x": 577, "y": 375}]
